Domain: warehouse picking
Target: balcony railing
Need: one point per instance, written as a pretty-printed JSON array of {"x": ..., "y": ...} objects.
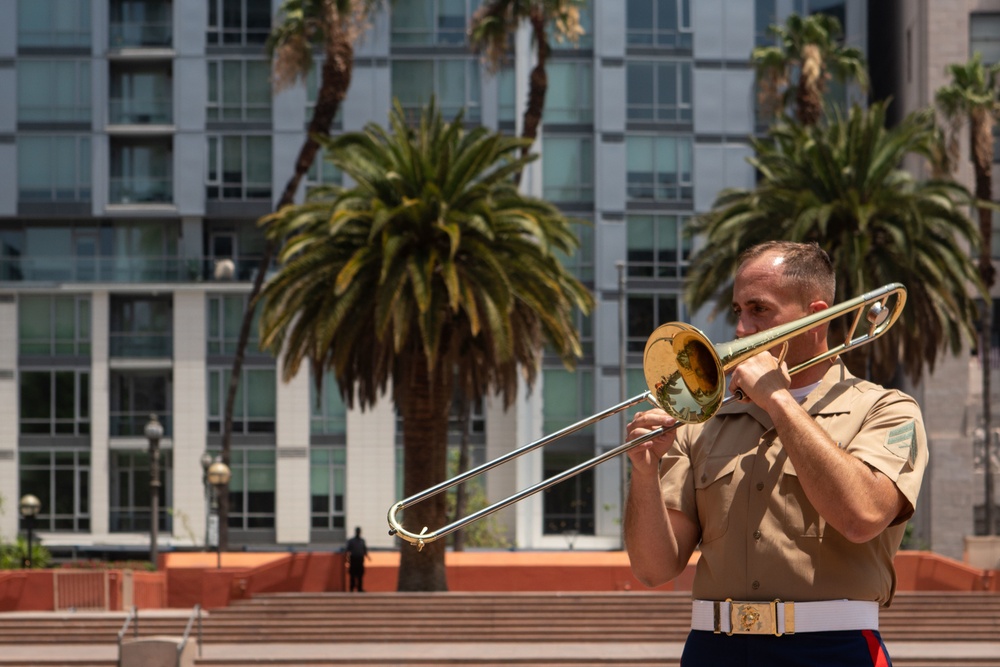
[
  {"x": 136, "y": 344},
  {"x": 121, "y": 269},
  {"x": 136, "y": 34},
  {"x": 129, "y": 424},
  {"x": 127, "y": 111},
  {"x": 141, "y": 191}
]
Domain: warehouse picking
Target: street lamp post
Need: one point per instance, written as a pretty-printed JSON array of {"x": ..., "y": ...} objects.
[
  {"x": 218, "y": 475},
  {"x": 154, "y": 431},
  {"x": 206, "y": 461},
  {"x": 29, "y": 507}
]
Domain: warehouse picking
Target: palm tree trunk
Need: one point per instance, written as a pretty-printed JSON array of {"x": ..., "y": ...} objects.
[
  {"x": 981, "y": 135},
  {"x": 538, "y": 84},
  {"x": 336, "y": 79},
  {"x": 425, "y": 402},
  {"x": 461, "y": 492},
  {"x": 981, "y": 139}
]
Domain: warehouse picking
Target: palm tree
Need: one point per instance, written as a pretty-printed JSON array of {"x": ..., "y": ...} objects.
[
  {"x": 432, "y": 275},
  {"x": 840, "y": 184},
  {"x": 807, "y": 46},
  {"x": 491, "y": 33},
  {"x": 972, "y": 96},
  {"x": 333, "y": 25}
]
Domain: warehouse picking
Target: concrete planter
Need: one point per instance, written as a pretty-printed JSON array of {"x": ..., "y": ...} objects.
[{"x": 983, "y": 551}]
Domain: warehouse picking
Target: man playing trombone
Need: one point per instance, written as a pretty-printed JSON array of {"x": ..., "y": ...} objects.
[{"x": 797, "y": 495}]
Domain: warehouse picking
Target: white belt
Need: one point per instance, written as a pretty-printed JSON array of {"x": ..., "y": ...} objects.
[{"x": 780, "y": 618}]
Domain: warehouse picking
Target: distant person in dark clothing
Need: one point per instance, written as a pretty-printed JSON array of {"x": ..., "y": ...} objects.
[{"x": 357, "y": 552}]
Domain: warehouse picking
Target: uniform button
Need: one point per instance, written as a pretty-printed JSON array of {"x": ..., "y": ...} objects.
[
  {"x": 760, "y": 486},
  {"x": 756, "y": 534},
  {"x": 756, "y": 585}
]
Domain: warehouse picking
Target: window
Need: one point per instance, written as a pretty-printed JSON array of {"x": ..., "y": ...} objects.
[
  {"x": 657, "y": 247},
  {"x": 659, "y": 168},
  {"x": 506, "y": 96},
  {"x": 431, "y": 21},
  {"x": 60, "y": 478},
  {"x": 239, "y": 167},
  {"x": 255, "y": 408},
  {"x": 567, "y": 397},
  {"x": 140, "y": 23},
  {"x": 239, "y": 90},
  {"x": 53, "y": 168},
  {"x": 322, "y": 173},
  {"x": 984, "y": 36},
  {"x": 53, "y": 326},
  {"x": 568, "y": 169},
  {"x": 141, "y": 94},
  {"x": 570, "y": 97},
  {"x": 659, "y": 23},
  {"x": 251, "y": 488},
  {"x": 53, "y": 91},
  {"x": 329, "y": 414},
  {"x": 130, "y": 497},
  {"x": 225, "y": 317},
  {"x": 141, "y": 327},
  {"x": 765, "y": 16},
  {"x": 645, "y": 313},
  {"x": 581, "y": 262},
  {"x": 454, "y": 83},
  {"x": 143, "y": 250},
  {"x": 238, "y": 22},
  {"x": 136, "y": 394},
  {"x": 568, "y": 506},
  {"x": 60, "y": 23},
  {"x": 55, "y": 402},
  {"x": 141, "y": 170},
  {"x": 659, "y": 91},
  {"x": 327, "y": 487}
]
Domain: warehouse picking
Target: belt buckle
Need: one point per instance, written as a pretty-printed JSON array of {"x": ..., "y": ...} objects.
[{"x": 754, "y": 618}]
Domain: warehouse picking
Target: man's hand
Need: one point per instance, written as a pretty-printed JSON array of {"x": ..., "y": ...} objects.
[
  {"x": 646, "y": 457},
  {"x": 759, "y": 378}
]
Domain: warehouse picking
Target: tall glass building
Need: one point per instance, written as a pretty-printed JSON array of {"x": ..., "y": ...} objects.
[{"x": 142, "y": 143}]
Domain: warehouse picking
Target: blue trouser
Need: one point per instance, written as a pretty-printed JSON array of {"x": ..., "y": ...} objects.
[{"x": 842, "y": 648}]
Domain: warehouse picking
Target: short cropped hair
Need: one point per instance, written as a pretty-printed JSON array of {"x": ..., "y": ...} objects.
[{"x": 806, "y": 264}]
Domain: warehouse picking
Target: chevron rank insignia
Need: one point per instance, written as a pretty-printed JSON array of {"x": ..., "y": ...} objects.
[{"x": 902, "y": 442}]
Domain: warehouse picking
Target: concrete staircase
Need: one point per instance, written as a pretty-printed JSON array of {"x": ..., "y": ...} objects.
[{"x": 921, "y": 629}]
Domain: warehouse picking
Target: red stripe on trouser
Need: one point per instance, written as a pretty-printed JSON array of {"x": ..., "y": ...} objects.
[{"x": 879, "y": 658}]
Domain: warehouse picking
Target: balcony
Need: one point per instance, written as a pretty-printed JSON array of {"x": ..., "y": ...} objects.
[
  {"x": 122, "y": 269},
  {"x": 150, "y": 111},
  {"x": 140, "y": 24},
  {"x": 141, "y": 190}
]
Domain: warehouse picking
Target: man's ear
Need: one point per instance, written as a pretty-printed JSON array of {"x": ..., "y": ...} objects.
[{"x": 817, "y": 306}]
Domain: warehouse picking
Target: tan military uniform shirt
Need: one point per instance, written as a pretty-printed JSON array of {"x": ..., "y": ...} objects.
[{"x": 761, "y": 539}]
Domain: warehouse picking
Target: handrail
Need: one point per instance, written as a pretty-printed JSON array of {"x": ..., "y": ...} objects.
[
  {"x": 195, "y": 612},
  {"x": 133, "y": 613}
]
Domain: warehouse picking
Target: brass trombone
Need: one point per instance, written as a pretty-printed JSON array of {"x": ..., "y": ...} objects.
[{"x": 686, "y": 377}]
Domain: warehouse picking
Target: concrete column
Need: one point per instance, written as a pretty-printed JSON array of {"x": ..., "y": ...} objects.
[
  {"x": 292, "y": 461},
  {"x": 371, "y": 468},
  {"x": 190, "y": 416}
]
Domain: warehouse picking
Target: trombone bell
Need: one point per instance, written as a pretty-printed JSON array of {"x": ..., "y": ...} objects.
[{"x": 683, "y": 372}]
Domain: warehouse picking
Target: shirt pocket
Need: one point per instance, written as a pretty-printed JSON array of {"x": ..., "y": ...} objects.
[
  {"x": 714, "y": 492},
  {"x": 801, "y": 518}
]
